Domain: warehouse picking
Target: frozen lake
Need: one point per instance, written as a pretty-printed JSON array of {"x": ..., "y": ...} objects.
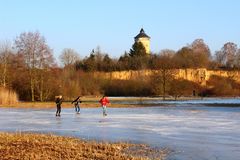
[{"x": 192, "y": 129}]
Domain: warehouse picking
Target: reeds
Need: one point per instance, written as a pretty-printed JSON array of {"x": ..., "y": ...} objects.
[
  {"x": 50, "y": 147},
  {"x": 8, "y": 97}
]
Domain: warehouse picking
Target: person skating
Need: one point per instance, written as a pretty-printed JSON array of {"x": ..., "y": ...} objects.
[
  {"x": 104, "y": 101},
  {"x": 76, "y": 103},
  {"x": 58, "y": 103}
]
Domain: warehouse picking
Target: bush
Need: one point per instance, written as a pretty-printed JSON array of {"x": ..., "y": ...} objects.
[
  {"x": 127, "y": 88},
  {"x": 183, "y": 87},
  {"x": 222, "y": 86}
]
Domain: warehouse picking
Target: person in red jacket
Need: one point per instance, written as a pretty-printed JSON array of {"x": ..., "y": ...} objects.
[{"x": 104, "y": 101}]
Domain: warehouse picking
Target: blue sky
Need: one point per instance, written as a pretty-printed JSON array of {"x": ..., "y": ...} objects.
[{"x": 111, "y": 24}]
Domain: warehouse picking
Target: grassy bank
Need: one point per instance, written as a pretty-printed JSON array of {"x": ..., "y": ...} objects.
[
  {"x": 92, "y": 102},
  {"x": 40, "y": 146},
  {"x": 64, "y": 105}
]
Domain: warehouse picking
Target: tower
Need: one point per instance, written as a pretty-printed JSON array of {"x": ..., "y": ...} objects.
[{"x": 144, "y": 39}]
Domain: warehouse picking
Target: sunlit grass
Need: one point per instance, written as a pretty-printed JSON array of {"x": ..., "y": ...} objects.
[
  {"x": 42, "y": 146},
  {"x": 7, "y": 97}
]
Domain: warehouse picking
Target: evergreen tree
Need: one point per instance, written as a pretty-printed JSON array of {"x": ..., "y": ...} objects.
[
  {"x": 108, "y": 64},
  {"x": 89, "y": 63},
  {"x": 137, "y": 50}
]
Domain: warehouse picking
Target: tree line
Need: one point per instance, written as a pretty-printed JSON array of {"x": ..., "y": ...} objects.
[
  {"x": 195, "y": 55},
  {"x": 28, "y": 67}
]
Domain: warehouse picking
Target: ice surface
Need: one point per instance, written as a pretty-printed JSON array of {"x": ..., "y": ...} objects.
[
  {"x": 210, "y": 101},
  {"x": 193, "y": 131}
]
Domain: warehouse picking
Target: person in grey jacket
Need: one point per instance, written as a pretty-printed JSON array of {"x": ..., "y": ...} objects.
[{"x": 76, "y": 103}]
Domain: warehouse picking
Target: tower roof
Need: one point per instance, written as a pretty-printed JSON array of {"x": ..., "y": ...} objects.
[{"x": 142, "y": 34}]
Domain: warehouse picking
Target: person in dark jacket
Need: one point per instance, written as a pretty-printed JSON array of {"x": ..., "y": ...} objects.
[
  {"x": 58, "y": 103},
  {"x": 76, "y": 103}
]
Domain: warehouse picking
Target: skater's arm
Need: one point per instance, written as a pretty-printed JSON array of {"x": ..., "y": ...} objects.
[{"x": 76, "y": 99}]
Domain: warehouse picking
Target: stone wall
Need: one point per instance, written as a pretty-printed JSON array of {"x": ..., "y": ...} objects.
[{"x": 200, "y": 75}]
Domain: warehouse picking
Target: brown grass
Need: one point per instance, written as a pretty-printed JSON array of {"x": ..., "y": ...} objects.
[
  {"x": 50, "y": 147},
  {"x": 8, "y": 97}
]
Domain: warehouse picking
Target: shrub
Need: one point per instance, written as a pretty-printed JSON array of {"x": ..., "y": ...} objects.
[
  {"x": 222, "y": 86},
  {"x": 127, "y": 88},
  {"x": 183, "y": 87}
]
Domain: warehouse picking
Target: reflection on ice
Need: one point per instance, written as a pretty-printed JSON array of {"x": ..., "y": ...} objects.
[
  {"x": 194, "y": 132},
  {"x": 204, "y": 101}
]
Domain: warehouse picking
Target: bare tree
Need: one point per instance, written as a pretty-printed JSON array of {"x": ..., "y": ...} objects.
[
  {"x": 185, "y": 58},
  {"x": 227, "y": 55},
  {"x": 237, "y": 59},
  {"x": 36, "y": 54},
  {"x": 165, "y": 71},
  {"x": 45, "y": 61},
  {"x": 5, "y": 55},
  {"x": 219, "y": 57},
  {"x": 201, "y": 52},
  {"x": 200, "y": 47},
  {"x": 69, "y": 57},
  {"x": 167, "y": 53},
  {"x": 229, "y": 51}
]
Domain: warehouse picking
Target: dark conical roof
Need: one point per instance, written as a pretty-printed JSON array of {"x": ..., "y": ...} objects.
[{"x": 142, "y": 34}]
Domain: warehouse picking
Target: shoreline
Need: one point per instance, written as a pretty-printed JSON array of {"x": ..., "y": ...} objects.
[
  {"x": 49, "y": 146},
  {"x": 122, "y": 102}
]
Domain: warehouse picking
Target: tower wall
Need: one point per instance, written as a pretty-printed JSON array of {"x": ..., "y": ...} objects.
[{"x": 146, "y": 43}]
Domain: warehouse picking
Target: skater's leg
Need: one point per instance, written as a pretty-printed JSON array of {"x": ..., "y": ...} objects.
[
  {"x": 104, "y": 110},
  {"x": 59, "y": 111},
  {"x": 75, "y": 108}
]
